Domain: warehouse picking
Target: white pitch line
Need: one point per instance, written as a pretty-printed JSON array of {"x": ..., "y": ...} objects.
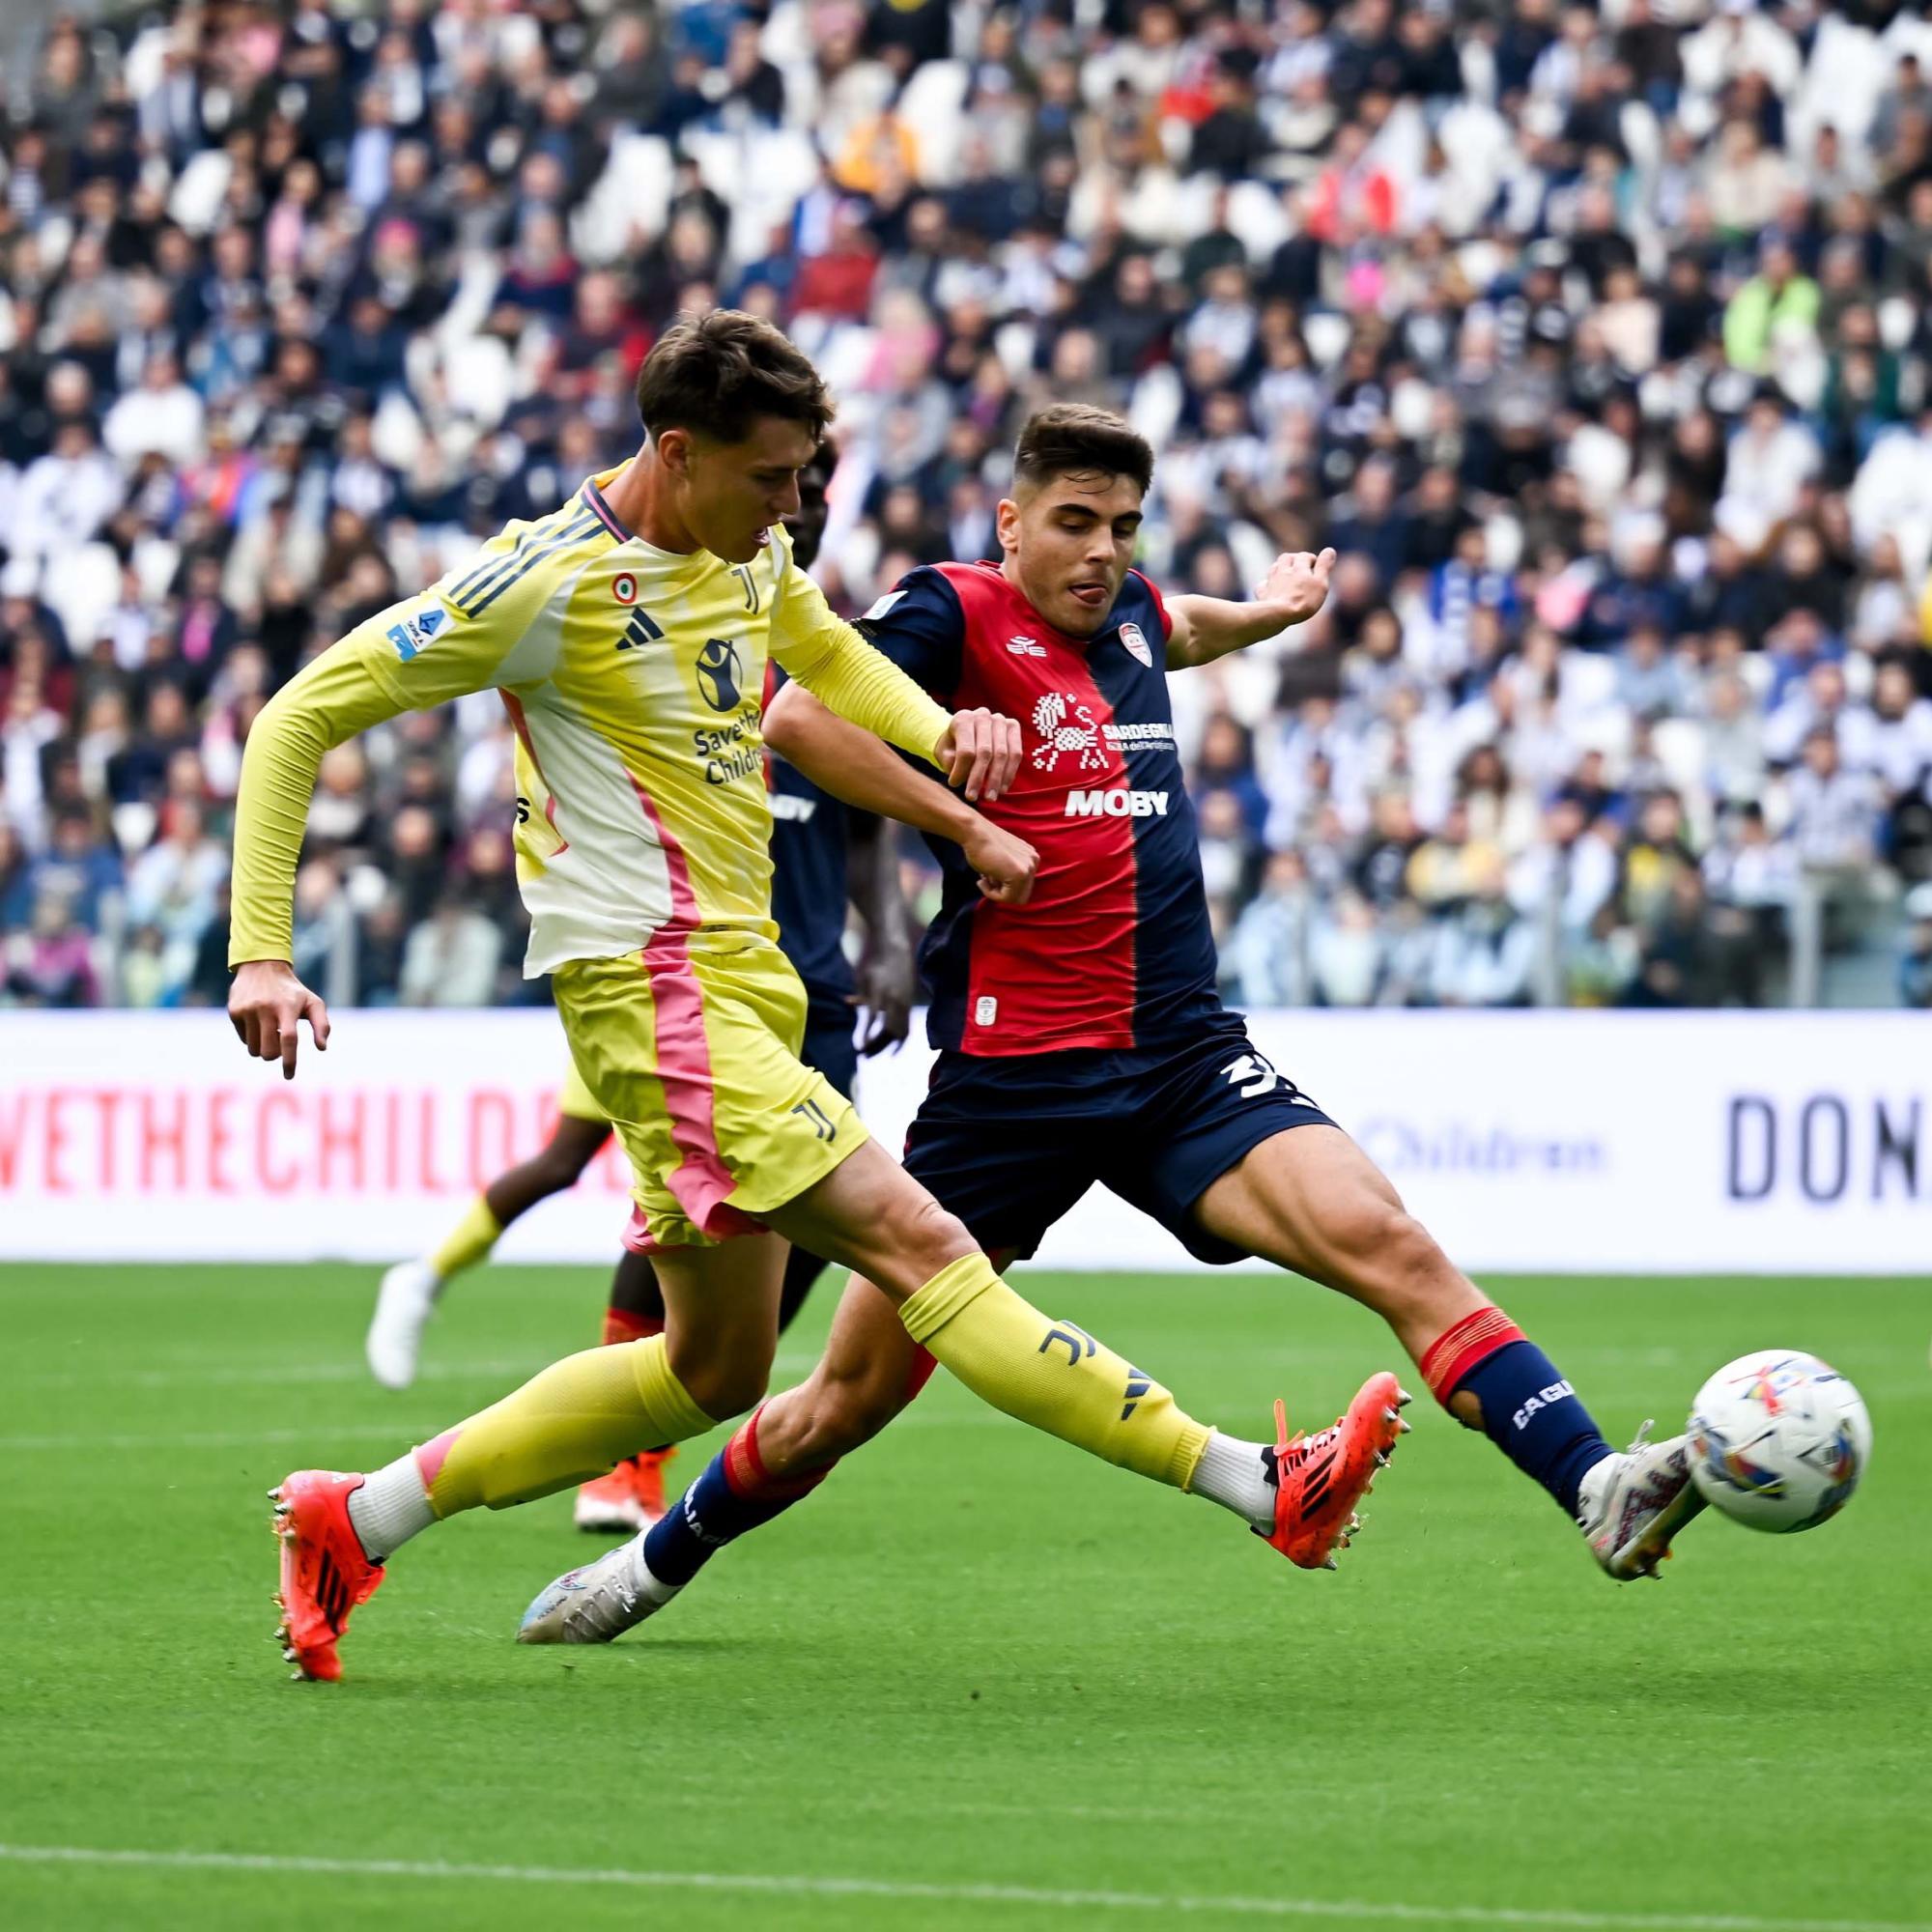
[{"x": 774, "y": 1884}]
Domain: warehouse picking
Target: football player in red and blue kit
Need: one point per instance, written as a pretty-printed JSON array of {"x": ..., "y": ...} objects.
[{"x": 1081, "y": 1038}]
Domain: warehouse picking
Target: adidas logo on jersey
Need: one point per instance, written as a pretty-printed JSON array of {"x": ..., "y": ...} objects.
[
  {"x": 640, "y": 631},
  {"x": 1117, "y": 805}
]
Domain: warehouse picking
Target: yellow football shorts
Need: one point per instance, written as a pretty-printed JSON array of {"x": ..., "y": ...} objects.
[
  {"x": 690, "y": 1052},
  {"x": 577, "y": 1099}
]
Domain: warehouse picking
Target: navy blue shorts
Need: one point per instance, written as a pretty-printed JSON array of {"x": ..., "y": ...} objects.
[
  {"x": 1011, "y": 1144},
  {"x": 830, "y": 1048}
]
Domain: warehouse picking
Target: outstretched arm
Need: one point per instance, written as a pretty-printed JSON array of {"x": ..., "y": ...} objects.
[
  {"x": 854, "y": 765},
  {"x": 1206, "y": 628}
]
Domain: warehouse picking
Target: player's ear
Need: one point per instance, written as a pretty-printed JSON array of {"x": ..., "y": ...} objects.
[
  {"x": 673, "y": 446},
  {"x": 1006, "y": 523}
]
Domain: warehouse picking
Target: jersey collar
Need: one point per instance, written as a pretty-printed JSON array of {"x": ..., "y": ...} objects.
[
  {"x": 593, "y": 501},
  {"x": 592, "y": 496}
]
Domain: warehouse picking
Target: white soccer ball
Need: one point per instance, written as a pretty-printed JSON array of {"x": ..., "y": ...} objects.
[{"x": 1778, "y": 1441}]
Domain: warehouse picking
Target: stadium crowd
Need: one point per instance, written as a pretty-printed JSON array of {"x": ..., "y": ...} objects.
[{"x": 1596, "y": 340}]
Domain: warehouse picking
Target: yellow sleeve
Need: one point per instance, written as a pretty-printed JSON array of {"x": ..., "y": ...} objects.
[
  {"x": 848, "y": 676},
  {"x": 417, "y": 654},
  {"x": 332, "y": 700}
]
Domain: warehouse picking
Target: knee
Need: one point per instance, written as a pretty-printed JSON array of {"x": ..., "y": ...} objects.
[
  {"x": 909, "y": 1243},
  {"x": 930, "y": 1240},
  {"x": 722, "y": 1384}
]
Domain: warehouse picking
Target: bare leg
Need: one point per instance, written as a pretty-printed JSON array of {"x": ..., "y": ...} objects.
[
  {"x": 721, "y": 1320},
  {"x": 560, "y": 1165},
  {"x": 872, "y": 1216},
  {"x": 871, "y": 1370},
  {"x": 1310, "y": 1201},
  {"x": 635, "y": 1292}
]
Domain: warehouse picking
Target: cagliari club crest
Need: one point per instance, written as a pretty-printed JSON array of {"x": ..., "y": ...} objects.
[{"x": 1136, "y": 641}]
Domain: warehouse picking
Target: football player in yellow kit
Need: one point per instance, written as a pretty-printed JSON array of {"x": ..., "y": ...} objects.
[{"x": 628, "y": 633}]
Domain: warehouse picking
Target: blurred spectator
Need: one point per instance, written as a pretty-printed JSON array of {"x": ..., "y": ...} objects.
[
  {"x": 50, "y": 963},
  {"x": 1346, "y": 953},
  {"x": 172, "y": 884},
  {"x": 1678, "y": 966},
  {"x": 450, "y": 958},
  {"x": 1834, "y": 811},
  {"x": 1914, "y": 964},
  {"x": 1486, "y": 951},
  {"x": 81, "y": 866},
  {"x": 1266, "y": 962}
]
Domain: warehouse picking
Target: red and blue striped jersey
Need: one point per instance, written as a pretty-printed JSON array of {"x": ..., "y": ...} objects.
[{"x": 1114, "y": 949}]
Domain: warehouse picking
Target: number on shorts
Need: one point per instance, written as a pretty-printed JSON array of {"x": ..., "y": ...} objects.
[{"x": 1252, "y": 1074}]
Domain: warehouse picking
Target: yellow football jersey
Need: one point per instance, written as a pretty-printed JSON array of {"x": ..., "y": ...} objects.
[{"x": 635, "y": 678}]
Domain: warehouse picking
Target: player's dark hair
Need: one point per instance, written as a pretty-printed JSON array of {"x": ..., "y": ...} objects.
[
  {"x": 1074, "y": 439},
  {"x": 717, "y": 373}
]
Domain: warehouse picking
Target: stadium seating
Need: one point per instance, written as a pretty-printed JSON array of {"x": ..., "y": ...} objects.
[{"x": 1640, "y": 298}]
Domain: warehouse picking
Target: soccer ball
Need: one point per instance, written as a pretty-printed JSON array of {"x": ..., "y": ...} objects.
[{"x": 1778, "y": 1441}]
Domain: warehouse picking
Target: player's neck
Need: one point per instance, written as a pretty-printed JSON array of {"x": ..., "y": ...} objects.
[
  {"x": 639, "y": 497},
  {"x": 1010, "y": 569}
]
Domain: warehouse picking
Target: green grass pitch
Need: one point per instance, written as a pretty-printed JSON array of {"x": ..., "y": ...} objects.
[{"x": 978, "y": 1681}]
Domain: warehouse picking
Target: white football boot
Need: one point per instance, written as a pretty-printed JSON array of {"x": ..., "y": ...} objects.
[
  {"x": 404, "y": 1304},
  {"x": 598, "y": 1600},
  {"x": 1630, "y": 1505}
]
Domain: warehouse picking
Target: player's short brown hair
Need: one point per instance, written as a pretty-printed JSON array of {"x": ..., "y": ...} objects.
[
  {"x": 1074, "y": 439},
  {"x": 717, "y": 373}
]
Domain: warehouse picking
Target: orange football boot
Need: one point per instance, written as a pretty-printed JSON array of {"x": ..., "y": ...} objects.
[
  {"x": 1320, "y": 1478},
  {"x": 608, "y": 1504},
  {"x": 324, "y": 1573},
  {"x": 647, "y": 1483},
  {"x": 630, "y": 1498}
]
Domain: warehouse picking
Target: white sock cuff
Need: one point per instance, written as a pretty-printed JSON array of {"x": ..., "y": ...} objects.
[
  {"x": 391, "y": 1506},
  {"x": 647, "y": 1585},
  {"x": 1231, "y": 1473}
]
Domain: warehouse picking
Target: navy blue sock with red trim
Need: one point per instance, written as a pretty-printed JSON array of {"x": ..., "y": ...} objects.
[
  {"x": 733, "y": 1492},
  {"x": 1530, "y": 1411}
]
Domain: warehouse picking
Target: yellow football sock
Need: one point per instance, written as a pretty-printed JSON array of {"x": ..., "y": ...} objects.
[
  {"x": 1051, "y": 1374},
  {"x": 579, "y": 1418},
  {"x": 469, "y": 1242}
]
